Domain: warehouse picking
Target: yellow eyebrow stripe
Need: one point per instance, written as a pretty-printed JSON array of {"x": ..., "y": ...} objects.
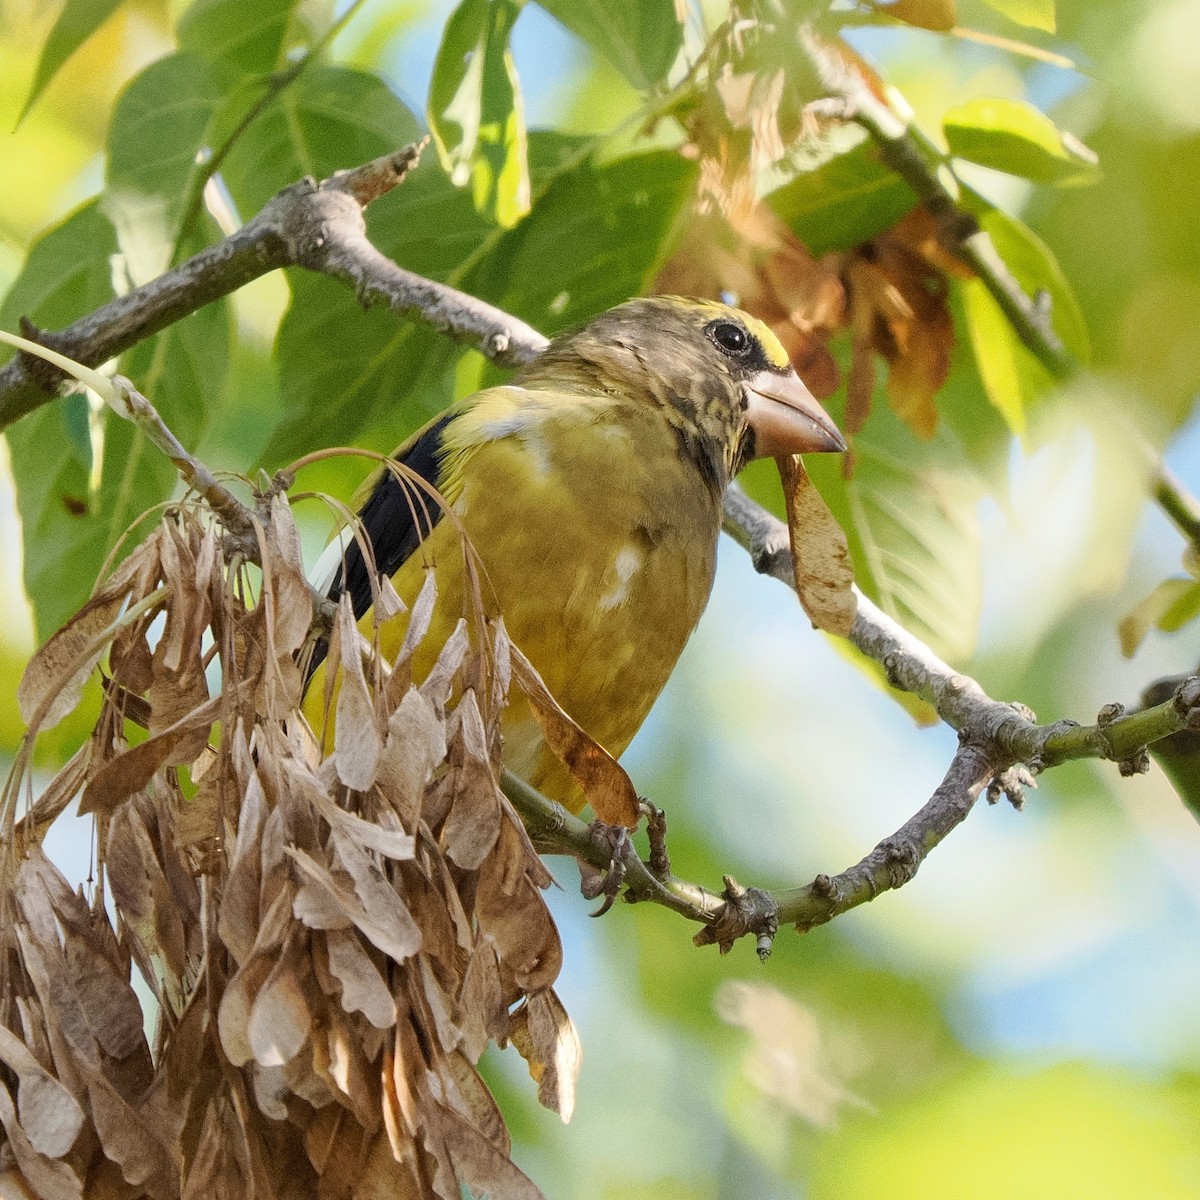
[{"x": 772, "y": 347}]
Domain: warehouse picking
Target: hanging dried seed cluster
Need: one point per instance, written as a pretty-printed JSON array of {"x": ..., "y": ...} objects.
[{"x": 331, "y": 941}]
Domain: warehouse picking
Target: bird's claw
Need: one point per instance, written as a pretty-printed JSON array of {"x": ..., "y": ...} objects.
[{"x": 608, "y": 882}]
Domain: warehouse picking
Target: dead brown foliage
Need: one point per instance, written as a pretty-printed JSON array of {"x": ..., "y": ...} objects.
[{"x": 331, "y": 943}]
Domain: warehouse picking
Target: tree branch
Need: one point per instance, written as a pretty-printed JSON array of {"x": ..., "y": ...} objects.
[{"x": 321, "y": 227}]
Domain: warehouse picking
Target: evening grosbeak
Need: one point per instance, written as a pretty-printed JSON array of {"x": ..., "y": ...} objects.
[{"x": 590, "y": 487}]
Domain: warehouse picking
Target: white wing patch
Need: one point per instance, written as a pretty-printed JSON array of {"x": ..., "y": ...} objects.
[
  {"x": 327, "y": 566},
  {"x": 626, "y": 565}
]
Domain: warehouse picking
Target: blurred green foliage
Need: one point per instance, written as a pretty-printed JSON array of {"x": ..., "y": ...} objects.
[{"x": 1020, "y": 1021}]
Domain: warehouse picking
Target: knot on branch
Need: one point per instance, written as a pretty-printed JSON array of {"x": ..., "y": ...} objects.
[
  {"x": 1011, "y": 785},
  {"x": 746, "y": 910},
  {"x": 901, "y": 860},
  {"x": 1186, "y": 700},
  {"x": 1138, "y": 763}
]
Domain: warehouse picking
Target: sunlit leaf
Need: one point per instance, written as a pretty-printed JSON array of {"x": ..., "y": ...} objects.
[
  {"x": 1013, "y": 136},
  {"x": 159, "y": 128},
  {"x": 1038, "y": 14},
  {"x": 1173, "y": 604},
  {"x": 76, "y": 23},
  {"x": 844, "y": 202},
  {"x": 329, "y": 119},
  {"x": 996, "y": 352},
  {"x": 475, "y": 109},
  {"x": 241, "y": 39},
  {"x": 641, "y": 38},
  {"x": 1012, "y": 376}
]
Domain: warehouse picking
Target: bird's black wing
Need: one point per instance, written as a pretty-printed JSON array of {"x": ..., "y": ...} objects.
[{"x": 396, "y": 518}]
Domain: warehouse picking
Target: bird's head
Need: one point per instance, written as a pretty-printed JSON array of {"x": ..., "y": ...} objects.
[{"x": 720, "y": 376}]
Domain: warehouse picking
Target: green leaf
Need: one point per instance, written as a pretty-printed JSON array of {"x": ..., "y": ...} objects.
[
  {"x": 997, "y": 352},
  {"x": 162, "y": 122},
  {"x": 475, "y": 110},
  {"x": 1173, "y": 604},
  {"x": 72, "y": 516},
  {"x": 66, "y": 273},
  {"x": 343, "y": 370},
  {"x": 240, "y": 38},
  {"x": 76, "y": 23},
  {"x": 330, "y": 118},
  {"x": 641, "y": 38},
  {"x": 1038, "y": 14},
  {"x": 1012, "y": 377},
  {"x": 846, "y": 201},
  {"x": 1013, "y": 136},
  {"x": 596, "y": 237}
]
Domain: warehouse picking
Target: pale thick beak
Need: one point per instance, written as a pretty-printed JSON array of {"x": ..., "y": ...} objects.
[{"x": 786, "y": 417}]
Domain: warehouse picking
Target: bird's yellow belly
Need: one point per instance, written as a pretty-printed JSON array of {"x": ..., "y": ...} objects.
[{"x": 599, "y": 583}]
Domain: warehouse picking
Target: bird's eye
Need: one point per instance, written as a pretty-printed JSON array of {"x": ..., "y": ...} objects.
[{"x": 730, "y": 338}]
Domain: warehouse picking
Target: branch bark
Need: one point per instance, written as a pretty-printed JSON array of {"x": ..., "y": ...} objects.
[{"x": 321, "y": 227}]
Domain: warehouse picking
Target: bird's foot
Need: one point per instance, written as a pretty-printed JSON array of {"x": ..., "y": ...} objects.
[
  {"x": 659, "y": 862},
  {"x": 746, "y": 910},
  {"x": 607, "y": 882}
]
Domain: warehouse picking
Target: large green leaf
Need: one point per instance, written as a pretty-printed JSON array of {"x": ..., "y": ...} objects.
[
  {"x": 844, "y": 202},
  {"x": 475, "y": 110},
  {"x": 73, "y": 511},
  {"x": 330, "y": 118},
  {"x": 596, "y": 236},
  {"x": 641, "y": 38},
  {"x": 66, "y": 273},
  {"x": 161, "y": 125},
  {"x": 1038, "y": 14},
  {"x": 342, "y": 369},
  {"x": 1013, "y": 136},
  {"x": 1012, "y": 377},
  {"x": 76, "y": 23},
  {"x": 239, "y": 38}
]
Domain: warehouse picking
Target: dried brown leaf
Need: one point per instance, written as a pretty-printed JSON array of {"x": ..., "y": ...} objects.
[
  {"x": 473, "y": 823},
  {"x": 379, "y": 913},
  {"x": 58, "y": 793},
  {"x": 49, "y": 1178},
  {"x": 339, "y": 1060},
  {"x": 357, "y": 741},
  {"x": 237, "y": 922},
  {"x": 291, "y": 596},
  {"x": 280, "y": 1020},
  {"x": 472, "y": 1098},
  {"x": 362, "y": 986},
  {"x": 430, "y": 991},
  {"x": 132, "y": 1137},
  {"x": 608, "y": 789},
  {"x": 546, "y": 1039},
  {"x": 821, "y": 557},
  {"x": 511, "y": 909},
  {"x": 49, "y": 1113},
  {"x": 55, "y": 677},
  {"x": 233, "y": 1013},
  {"x": 481, "y": 1000},
  {"x": 438, "y": 683},
  {"x": 480, "y": 1163}
]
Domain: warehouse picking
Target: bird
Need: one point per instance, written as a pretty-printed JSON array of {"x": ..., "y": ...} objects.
[{"x": 590, "y": 487}]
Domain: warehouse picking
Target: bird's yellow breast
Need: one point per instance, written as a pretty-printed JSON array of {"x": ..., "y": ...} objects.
[{"x": 597, "y": 540}]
